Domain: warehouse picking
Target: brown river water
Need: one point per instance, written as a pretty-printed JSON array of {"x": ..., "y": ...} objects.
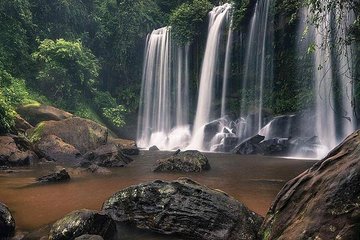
[{"x": 253, "y": 180}]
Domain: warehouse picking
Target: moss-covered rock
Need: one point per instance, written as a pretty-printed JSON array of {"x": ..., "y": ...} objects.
[
  {"x": 83, "y": 134},
  {"x": 36, "y": 113}
]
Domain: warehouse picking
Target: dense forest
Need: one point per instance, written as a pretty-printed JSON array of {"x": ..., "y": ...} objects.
[{"x": 86, "y": 56}]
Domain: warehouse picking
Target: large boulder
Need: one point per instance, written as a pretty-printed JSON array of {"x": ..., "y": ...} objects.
[
  {"x": 275, "y": 146},
  {"x": 249, "y": 146},
  {"x": 55, "y": 149},
  {"x": 56, "y": 177},
  {"x": 7, "y": 222},
  {"x": 36, "y": 113},
  {"x": 12, "y": 154},
  {"x": 21, "y": 125},
  {"x": 128, "y": 147},
  {"x": 188, "y": 161},
  {"x": 83, "y": 222},
  {"x": 85, "y": 135},
  {"x": 184, "y": 208},
  {"x": 108, "y": 155},
  {"x": 321, "y": 203}
]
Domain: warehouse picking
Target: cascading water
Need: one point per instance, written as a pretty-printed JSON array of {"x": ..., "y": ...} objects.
[
  {"x": 333, "y": 84},
  {"x": 219, "y": 18},
  {"x": 160, "y": 123},
  {"x": 257, "y": 67}
]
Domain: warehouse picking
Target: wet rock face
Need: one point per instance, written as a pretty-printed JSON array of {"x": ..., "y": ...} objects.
[
  {"x": 83, "y": 222},
  {"x": 59, "y": 176},
  {"x": 7, "y": 222},
  {"x": 108, "y": 155},
  {"x": 321, "y": 203},
  {"x": 184, "y": 208},
  {"x": 12, "y": 155},
  {"x": 188, "y": 161}
]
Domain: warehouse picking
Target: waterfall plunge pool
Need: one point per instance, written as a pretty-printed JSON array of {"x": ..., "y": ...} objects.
[{"x": 253, "y": 180}]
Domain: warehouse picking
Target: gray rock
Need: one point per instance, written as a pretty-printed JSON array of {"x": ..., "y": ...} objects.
[
  {"x": 188, "y": 161},
  {"x": 7, "y": 222},
  {"x": 83, "y": 222},
  {"x": 154, "y": 148},
  {"x": 249, "y": 146},
  {"x": 108, "y": 155},
  {"x": 59, "y": 176},
  {"x": 184, "y": 208},
  {"x": 321, "y": 203}
]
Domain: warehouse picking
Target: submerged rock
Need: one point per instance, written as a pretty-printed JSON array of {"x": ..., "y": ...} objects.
[
  {"x": 188, "y": 161},
  {"x": 249, "y": 146},
  {"x": 321, "y": 203},
  {"x": 83, "y": 134},
  {"x": 7, "y": 222},
  {"x": 81, "y": 222},
  {"x": 108, "y": 155},
  {"x": 59, "y": 176},
  {"x": 36, "y": 113},
  {"x": 12, "y": 155},
  {"x": 184, "y": 208}
]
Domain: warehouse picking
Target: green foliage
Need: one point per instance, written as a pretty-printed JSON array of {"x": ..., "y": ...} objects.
[
  {"x": 15, "y": 34},
  {"x": 240, "y": 10},
  {"x": 187, "y": 20},
  {"x": 109, "y": 108},
  {"x": 7, "y": 115},
  {"x": 67, "y": 70}
]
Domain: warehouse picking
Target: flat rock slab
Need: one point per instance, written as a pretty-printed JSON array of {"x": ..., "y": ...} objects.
[
  {"x": 188, "y": 161},
  {"x": 184, "y": 208},
  {"x": 82, "y": 222},
  {"x": 321, "y": 203}
]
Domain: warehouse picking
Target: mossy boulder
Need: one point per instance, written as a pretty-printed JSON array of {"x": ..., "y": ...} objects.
[
  {"x": 321, "y": 203},
  {"x": 187, "y": 161},
  {"x": 36, "y": 113},
  {"x": 185, "y": 208},
  {"x": 85, "y": 135}
]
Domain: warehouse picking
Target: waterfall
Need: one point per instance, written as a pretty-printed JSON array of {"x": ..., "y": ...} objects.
[
  {"x": 258, "y": 65},
  {"x": 159, "y": 120},
  {"x": 218, "y": 19},
  {"x": 333, "y": 83}
]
